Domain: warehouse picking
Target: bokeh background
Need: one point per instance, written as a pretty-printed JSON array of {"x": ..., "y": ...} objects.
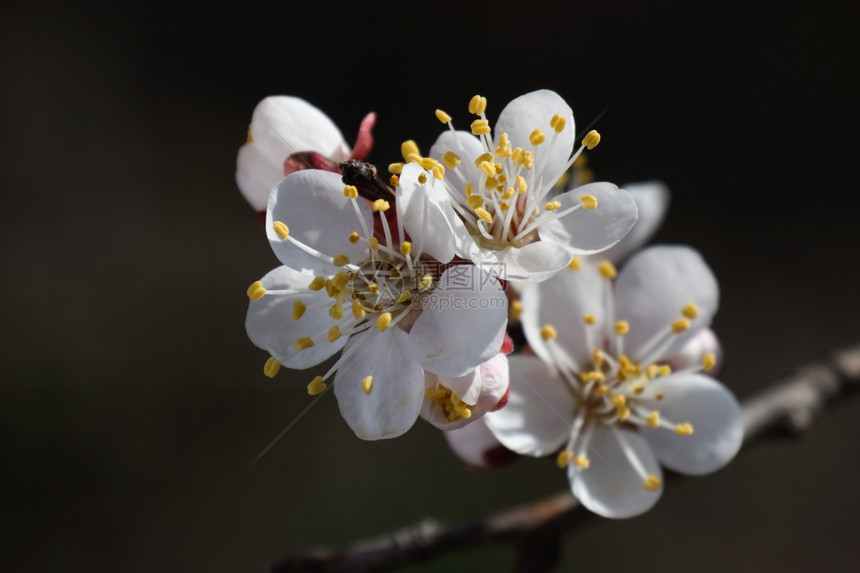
[{"x": 132, "y": 403}]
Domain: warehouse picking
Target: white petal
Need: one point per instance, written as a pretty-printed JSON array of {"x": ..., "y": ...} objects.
[
  {"x": 468, "y": 148},
  {"x": 532, "y": 111},
  {"x": 652, "y": 202},
  {"x": 533, "y": 262},
  {"x": 612, "y": 487},
  {"x": 588, "y": 231},
  {"x": 256, "y": 175},
  {"x": 311, "y": 203},
  {"x": 690, "y": 356},
  {"x": 473, "y": 444},
  {"x": 561, "y": 302},
  {"x": 427, "y": 215},
  {"x": 537, "y": 419},
  {"x": 462, "y": 323},
  {"x": 270, "y": 325},
  {"x": 392, "y": 406},
  {"x": 716, "y": 418},
  {"x": 655, "y": 285}
]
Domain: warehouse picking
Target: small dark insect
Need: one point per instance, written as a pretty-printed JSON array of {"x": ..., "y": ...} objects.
[{"x": 365, "y": 178}]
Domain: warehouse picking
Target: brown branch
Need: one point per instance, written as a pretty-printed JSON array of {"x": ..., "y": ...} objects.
[{"x": 790, "y": 405}]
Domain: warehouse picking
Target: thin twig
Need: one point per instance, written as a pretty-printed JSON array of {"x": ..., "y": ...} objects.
[{"x": 788, "y": 406}]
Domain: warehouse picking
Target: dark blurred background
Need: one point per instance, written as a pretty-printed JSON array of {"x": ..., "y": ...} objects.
[{"x": 132, "y": 403}]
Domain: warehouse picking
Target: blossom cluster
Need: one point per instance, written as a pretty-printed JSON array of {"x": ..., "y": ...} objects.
[{"x": 415, "y": 278}]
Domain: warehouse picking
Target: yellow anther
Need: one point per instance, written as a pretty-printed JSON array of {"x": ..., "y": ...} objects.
[
  {"x": 618, "y": 400},
  {"x": 351, "y": 191},
  {"x": 685, "y": 429},
  {"x": 592, "y": 376},
  {"x": 372, "y": 288},
  {"x": 690, "y": 310},
  {"x": 621, "y": 327},
  {"x": 340, "y": 280},
  {"x": 582, "y": 462},
  {"x": 484, "y": 214},
  {"x": 409, "y": 147},
  {"x": 333, "y": 333},
  {"x": 281, "y": 229},
  {"x": 488, "y": 157},
  {"x": 597, "y": 357},
  {"x": 316, "y": 386},
  {"x": 680, "y": 325},
  {"x": 564, "y": 458},
  {"x": 450, "y": 159},
  {"x": 558, "y": 122},
  {"x": 602, "y": 390},
  {"x": 517, "y": 156},
  {"x": 340, "y": 260},
  {"x": 552, "y": 205},
  {"x": 357, "y": 309},
  {"x": 709, "y": 360},
  {"x": 607, "y": 270},
  {"x": 354, "y": 237},
  {"x": 516, "y": 309},
  {"x": 480, "y": 127},
  {"x": 665, "y": 370},
  {"x": 405, "y": 247},
  {"x": 394, "y": 180},
  {"x": 256, "y": 291},
  {"x": 491, "y": 183},
  {"x": 394, "y": 273},
  {"x": 575, "y": 263},
  {"x": 653, "y": 419},
  {"x": 383, "y": 321},
  {"x": 469, "y": 189},
  {"x": 504, "y": 206},
  {"x": 589, "y": 202},
  {"x": 638, "y": 389},
  {"x": 422, "y": 178},
  {"x": 528, "y": 159},
  {"x": 589, "y": 318},
  {"x": 522, "y": 186},
  {"x": 302, "y": 343},
  {"x": 380, "y": 205},
  {"x": 547, "y": 332},
  {"x": 475, "y": 201},
  {"x": 413, "y": 158},
  {"x": 487, "y": 168},
  {"x": 499, "y": 170},
  {"x": 652, "y": 371},
  {"x": 508, "y": 194},
  {"x": 317, "y": 284},
  {"x": 591, "y": 139},
  {"x": 442, "y": 116},
  {"x": 428, "y": 163},
  {"x": 537, "y": 137},
  {"x": 298, "y": 309},
  {"x": 404, "y": 296},
  {"x": 336, "y": 311},
  {"x": 396, "y": 168},
  {"x": 367, "y": 384},
  {"x": 426, "y": 281},
  {"x": 477, "y": 105},
  {"x": 271, "y": 367},
  {"x": 374, "y": 243},
  {"x": 652, "y": 482},
  {"x": 623, "y": 413}
]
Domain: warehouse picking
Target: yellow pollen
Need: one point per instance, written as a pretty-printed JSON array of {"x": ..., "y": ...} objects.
[
  {"x": 589, "y": 318},
  {"x": 537, "y": 137},
  {"x": 333, "y": 333},
  {"x": 340, "y": 260},
  {"x": 652, "y": 371},
  {"x": 450, "y": 159},
  {"x": 508, "y": 194},
  {"x": 516, "y": 309},
  {"x": 340, "y": 280},
  {"x": 317, "y": 284},
  {"x": 422, "y": 179},
  {"x": 426, "y": 281},
  {"x": 336, "y": 311},
  {"x": 488, "y": 157},
  {"x": 316, "y": 386},
  {"x": 281, "y": 229},
  {"x": 503, "y": 139},
  {"x": 354, "y": 237},
  {"x": 394, "y": 180},
  {"x": 469, "y": 189},
  {"x": 409, "y": 147},
  {"x": 413, "y": 158},
  {"x": 709, "y": 360},
  {"x": 357, "y": 309},
  {"x": 484, "y": 214},
  {"x": 528, "y": 159},
  {"x": 575, "y": 264},
  {"x": 504, "y": 206},
  {"x": 618, "y": 400},
  {"x": 589, "y": 202},
  {"x": 680, "y": 325},
  {"x": 597, "y": 357},
  {"x": 302, "y": 343},
  {"x": 428, "y": 163},
  {"x": 552, "y": 205},
  {"x": 592, "y": 376},
  {"x": 607, "y": 270},
  {"x": 380, "y": 205},
  {"x": 256, "y": 291},
  {"x": 621, "y": 327},
  {"x": 475, "y": 201},
  {"x": 665, "y": 370},
  {"x": 491, "y": 183},
  {"x": 487, "y": 168},
  {"x": 623, "y": 413},
  {"x": 558, "y": 122},
  {"x": 298, "y": 309},
  {"x": 658, "y": 396},
  {"x": 367, "y": 384},
  {"x": 547, "y": 332},
  {"x": 582, "y": 462},
  {"x": 374, "y": 243},
  {"x": 517, "y": 156},
  {"x": 383, "y": 321},
  {"x": 271, "y": 367},
  {"x": 405, "y": 247},
  {"x": 690, "y": 310},
  {"x": 351, "y": 191},
  {"x": 685, "y": 429},
  {"x": 404, "y": 296},
  {"x": 522, "y": 186},
  {"x": 652, "y": 483},
  {"x": 396, "y": 168},
  {"x": 442, "y": 116},
  {"x": 564, "y": 458},
  {"x": 480, "y": 127},
  {"x": 591, "y": 139},
  {"x": 477, "y": 105},
  {"x": 395, "y": 273},
  {"x": 453, "y": 406},
  {"x": 653, "y": 419},
  {"x": 638, "y": 389},
  {"x": 373, "y": 288},
  {"x": 602, "y": 390}
]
